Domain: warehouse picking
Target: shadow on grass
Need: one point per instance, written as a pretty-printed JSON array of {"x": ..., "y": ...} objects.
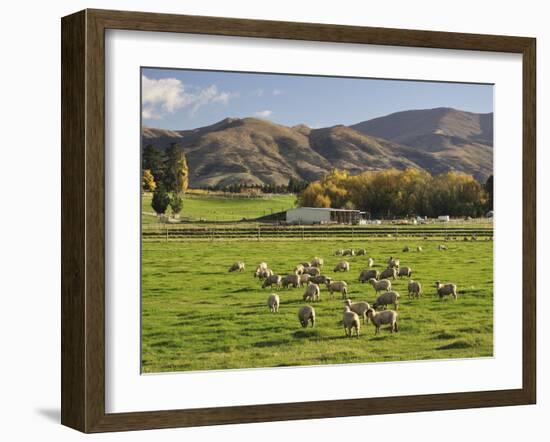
[
  {"x": 456, "y": 345},
  {"x": 306, "y": 333}
]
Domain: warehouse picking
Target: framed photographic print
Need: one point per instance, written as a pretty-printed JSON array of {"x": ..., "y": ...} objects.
[{"x": 267, "y": 221}]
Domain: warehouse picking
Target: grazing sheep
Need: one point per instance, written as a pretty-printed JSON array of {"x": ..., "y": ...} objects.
[
  {"x": 312, "y": 293},
  {"x": 264, "y": 273},
  {"x": 406, "y": 249},
  {"x": 272, "y": 280},
  {"x": 317, "y": 262},
  {"x": 305, "y": 264},
  {"x": 237, "y": 266},
  {"x": 350, "y": 321},
  {"x": 291, "y": 279},
  {"x": 367, "y": 274},
  {"x": 342, "y": 266},
  {"x": 441, "y": 247},
  {"x": 349, "y": 252},
  {"x": 393, "y": 263},
  {"x": 273, "y": 303},
  {"x": 304, "y": 279},
  {"x": 382, "y": 318},
  {"x": 419, "y": 249},
  {"x": 446, "y": 289},
  {"x": 338, "y": 286},
  {"x": 383, "y": 284},
  {"x": 370, "y": 262},
  {"x": 299, "y": 269},
  {"x": 404, "y": 271},
  {"x": 320, "y": 279},
  {"x": 390, "y": 272},
  {"x": 339, "y": 252},
  {"x": 361, "y": 252},
  {"x": 306, "y": 314},
  {"x": 360, "y": 308},
  {"x": 415, "y": 289},
  {"x": 387, "y": 298},
  {"x": 312, "y": 271},
  {"x": 260, "y": 268}
]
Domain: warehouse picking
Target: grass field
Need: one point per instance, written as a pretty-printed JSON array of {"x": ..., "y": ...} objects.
[
  {"x": 198, "y": 205},
  {"x": 197, "y": 316}
]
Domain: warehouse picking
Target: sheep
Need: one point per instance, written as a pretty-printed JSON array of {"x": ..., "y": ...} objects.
[
  {"x": 261, "y": 267},
  {"x": 304, "y": 279},
  {"x": 339, "y": 252},
  {"x": 387, "y": 298},
  {"x": 320, "y": 279},
  {"x": 441, "y": 247},
  {"x": 390, "y": 272},
  {"x": 351, "y": 321},
  {"x": 312, "y": 271},
  {"x": 273, "y": 303},
  {"x": 317, "y": 262},
  {"x": 383, "y": 284},
  {"x": 360, "y": 308},
  {"x": 237, "y": 266},
  {"x": 349, "y": 252},
  {"x": 264, "y": 273},
  {"x": 361, "y": 252},
  {"x": 338, "y": 286},
  {"x": 299, "y": 269},
  {"x": 370, "y": 262},
  {"x": 306, "y": 314},
  {"x": 367, "y": 274},
  {"x": 312, "y": 293},
  {"x": 382, "y": 318},
  {"x": 415, "y": 289},
  {"x": 406, "y": 249},
  {"x": 419, "y": 249},
  {"x": 404, "y": 271},
  {"x": 291, "y": 279},
  {"x": 272, "y": 280},
  {"x": 392, "y": 262},
  {"x": 305, "y": 264},
  {"x": 446, "y": 289},
  {"x": 342, "y": 266}
]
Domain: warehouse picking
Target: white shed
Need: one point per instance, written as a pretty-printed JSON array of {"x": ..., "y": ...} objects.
[{"x": 321, "y": 215}]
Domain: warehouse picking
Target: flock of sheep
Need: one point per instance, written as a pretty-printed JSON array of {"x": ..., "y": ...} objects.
[{"x": 309, "y": 275}]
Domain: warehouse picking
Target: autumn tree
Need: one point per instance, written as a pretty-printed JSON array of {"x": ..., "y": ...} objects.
[
  {"x": 148, "y": 183},
  {"x": 176, "y": 177}
]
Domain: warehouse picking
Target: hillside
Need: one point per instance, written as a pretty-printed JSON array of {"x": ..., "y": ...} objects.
[{"x": 258, "y": 151}]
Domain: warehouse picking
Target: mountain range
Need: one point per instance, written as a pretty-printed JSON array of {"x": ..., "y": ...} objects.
[{"x": 258, "y": 151}]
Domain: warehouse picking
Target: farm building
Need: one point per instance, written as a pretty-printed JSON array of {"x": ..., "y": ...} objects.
[{"x": 318, "y": 215}]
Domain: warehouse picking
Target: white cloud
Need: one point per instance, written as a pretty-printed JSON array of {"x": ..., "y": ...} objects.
[
  {"x": 167, "y": 95},
  {"x": 263, "y": 114},
  {"x": 277, "y": 92}
]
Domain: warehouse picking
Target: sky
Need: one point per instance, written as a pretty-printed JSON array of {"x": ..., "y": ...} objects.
[{"x": 186, "y": 99}]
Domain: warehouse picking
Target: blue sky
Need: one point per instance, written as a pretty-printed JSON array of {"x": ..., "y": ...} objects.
[{"x": 186, "y": 99}]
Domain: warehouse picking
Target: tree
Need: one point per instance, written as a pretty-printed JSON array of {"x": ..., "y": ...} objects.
[
  {"x": 161, "y": 200},
  {"x": 153, "y": 159},
  {"x": 148, "y": 181},
  {"x": 176, "y": 177},
  {"x": 176, "y": 203}
]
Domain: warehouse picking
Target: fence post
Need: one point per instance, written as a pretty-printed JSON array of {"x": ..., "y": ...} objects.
[{"x": 303, "y": 233}]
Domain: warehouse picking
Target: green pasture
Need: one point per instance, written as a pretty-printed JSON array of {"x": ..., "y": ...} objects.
[{"x": 197, "y": 316}]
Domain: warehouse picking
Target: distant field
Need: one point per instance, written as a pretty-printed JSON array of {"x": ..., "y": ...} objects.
[
  {"x": 197, "y": 316},
  {"x": 222, "y": 208}
]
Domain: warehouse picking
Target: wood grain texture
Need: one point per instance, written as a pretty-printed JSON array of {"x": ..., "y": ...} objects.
[{"x": 83, "y": 220}]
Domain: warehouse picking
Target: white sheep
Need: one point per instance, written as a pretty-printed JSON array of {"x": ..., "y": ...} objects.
[
  {"x": 367, "y": 274},
  {"x": 272, "y": 280},
  {"x": 414, "y": 288},
  {"x": 370, "y": 262},
  {"x": 404, "y": 271},
  {"x": 317, "y": 262},
  {"x": 320, "y": 279},
  {"x": 339, "y": 252},
  {"x": 312, "y": 271},
  {"x": 306, "y": 264},
  {"x": 273, "y": 303},
  {"x": 237, "y": 266},
  {"x": 441, "y": 247},
  {"x": 338, "y": 286},
  {"x": 304, "y": 279},
  {"x": 361, "y": 252},
  {"x": 260, "y": 268},
  {"x": 306, "y": 314},
  {"x": 312, "y": 292},
  {"x": 264, "y": 273},
  {"x": 392, "y": 262},
  {"x": 383, "y": 284},
  {"x": 446, "y": 289},
  {"x": 292, "y": 279},
  {"x": 349, "y": 252},
  {"x": 360, "y": 308},
  {"x": 342, "y": 266},
  {"x": 350, "y": 321},
  {"x": 390, "y": 272},
  {"x": 382, "y": 318},
  {"x": 386, "y": 299},
  {"x": 419, "y": 249},
  {"x": 299, "y": 269}
]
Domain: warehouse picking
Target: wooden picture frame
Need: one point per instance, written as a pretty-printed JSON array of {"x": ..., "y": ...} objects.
[{"x": 83, "y": 220}]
